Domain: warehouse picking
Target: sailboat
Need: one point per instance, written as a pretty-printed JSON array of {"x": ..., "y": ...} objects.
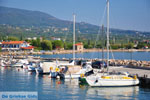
[
  {"x": 107, "y": 79},
  {"x": 69, "y": 71}
]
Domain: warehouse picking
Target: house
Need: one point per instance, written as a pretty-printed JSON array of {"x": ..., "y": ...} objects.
[
  {"x": 79, "y": 46},
  {"x": 145, "y": 47},
  {"x": 29, "y": 48},
  {"x": 15, "y": 45},
  {"x": 54, "y": 38}
]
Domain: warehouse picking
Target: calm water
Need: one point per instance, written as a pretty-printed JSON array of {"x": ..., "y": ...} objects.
[
  {"x": 145, "y": 56},
  {"x": 54, "y": 89}
]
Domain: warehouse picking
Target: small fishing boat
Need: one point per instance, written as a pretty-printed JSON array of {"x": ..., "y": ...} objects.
[
  {"x": 50, "y": 68},
  {"x": 39, "y": 68},
  {"x": 20, "y": 63},
  {"x": 31, "y": 66},
  {"x": 2, "y": 64},
  {"x": 69, "y": 72}
]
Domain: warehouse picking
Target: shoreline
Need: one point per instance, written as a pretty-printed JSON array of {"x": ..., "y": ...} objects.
[
  {"x": 89, "y": 50},
  {"x": 69, "y": 51}
]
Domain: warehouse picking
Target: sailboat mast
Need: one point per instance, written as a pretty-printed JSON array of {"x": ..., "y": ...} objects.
[
  {"x": 74, "y": 36},
  {"x": 107, "y": 35},
  {"x": 102, "y": 38}
]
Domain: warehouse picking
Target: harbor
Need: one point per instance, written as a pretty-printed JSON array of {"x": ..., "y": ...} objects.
[
  {"x": 56, "y": 89},
  {"x": 50, "y": 88},
  {"x": 133, "y": 67},
  {"x": 44, "y": 57}
]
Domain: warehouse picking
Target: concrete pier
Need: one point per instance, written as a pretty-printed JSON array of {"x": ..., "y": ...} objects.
[
  {"x": 132, "y": 71},
  {"x": 142, "y": 74}
]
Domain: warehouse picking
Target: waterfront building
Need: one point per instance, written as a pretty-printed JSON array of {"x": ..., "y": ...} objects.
[
  {"x": 15, "y": 45},
  {"x": 79, "y": 46},
  {"x": 54, "y": 38}
]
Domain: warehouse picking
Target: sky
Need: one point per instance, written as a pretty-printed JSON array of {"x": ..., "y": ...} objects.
[{"x": 124, "y": 14}]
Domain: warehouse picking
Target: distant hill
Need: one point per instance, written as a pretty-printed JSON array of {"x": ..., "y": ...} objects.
[
  {"x": 19, "y": 17},
  {"x": 26, "y": 18}
]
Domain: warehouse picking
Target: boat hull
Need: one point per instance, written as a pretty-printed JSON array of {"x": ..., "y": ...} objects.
[
  {"x": 112, "y": 82},
  {"x": 82, "y": 81},
  {"x": 70, "y": 76},
  {"x": 30, "y": 68}
]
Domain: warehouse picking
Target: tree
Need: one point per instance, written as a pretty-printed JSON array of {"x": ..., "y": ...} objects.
[
  {"x": 129, "y": 46},
  {"x": 12, "y": 38},
  {"x": 57, "y": 43},
  {"x": 38, "y": 42},
  {"x": 46, "y": 45},
  {"x": 21, "y": 37},
  {"x": 99, "y": 45},
  {"x": 34, "y": 43},
  {"x": 69, "y": 46},
  {"x": 141, "y": 45},
  {"x": 114, "y": 46}
]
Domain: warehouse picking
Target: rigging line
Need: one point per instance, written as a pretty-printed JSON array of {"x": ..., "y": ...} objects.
[
  {"x": 101, "y": 22},
  {"x": 113, "y": 24},
  {"x": 113, "y": 58}
]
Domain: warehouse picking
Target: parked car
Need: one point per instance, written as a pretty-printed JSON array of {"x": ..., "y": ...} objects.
[{"x": 98, "y": 64}]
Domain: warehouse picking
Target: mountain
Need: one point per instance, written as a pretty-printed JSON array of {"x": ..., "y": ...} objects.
[
  {"x": 20, "y": 17},
  {"x": 47, "y": 24}
]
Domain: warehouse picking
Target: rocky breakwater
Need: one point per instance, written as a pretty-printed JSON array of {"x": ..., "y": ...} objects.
[{"x": 130, "y": 63}]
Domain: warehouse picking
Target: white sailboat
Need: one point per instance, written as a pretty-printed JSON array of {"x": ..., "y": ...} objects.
[
  {"x": 111, "y": 79},
  {"x": 69, "y": 71}
]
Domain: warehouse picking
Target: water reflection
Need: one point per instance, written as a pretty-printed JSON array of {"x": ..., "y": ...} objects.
[
  {"x": 71, "y": 83},
  {"x": 113, "y": 92}
]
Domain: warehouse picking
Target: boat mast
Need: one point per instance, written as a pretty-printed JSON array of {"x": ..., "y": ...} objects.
[
  {"x": 74, "y": 37},
  {"x": 102, "y": 38},
  {"x": 107, "y": 35}
]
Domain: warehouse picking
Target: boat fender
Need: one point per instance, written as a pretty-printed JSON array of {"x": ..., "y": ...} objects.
[
  {"x": 81, "y": 75},
  {"x": 135, "y": 77},
  {"x": 57, "y": 69},
  {"x": 51, "y": 68}
]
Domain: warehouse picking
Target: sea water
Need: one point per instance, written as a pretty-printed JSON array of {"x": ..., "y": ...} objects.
[
  {"x": 20, "y": 80},
  {"x": 143, "y": 56}
]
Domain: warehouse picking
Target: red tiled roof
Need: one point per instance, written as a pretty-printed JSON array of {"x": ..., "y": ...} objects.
[
  {"x": 78, "y": 44},
  {"x": 13, "y": 42},
  {"x": 27, "y": 48}
]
